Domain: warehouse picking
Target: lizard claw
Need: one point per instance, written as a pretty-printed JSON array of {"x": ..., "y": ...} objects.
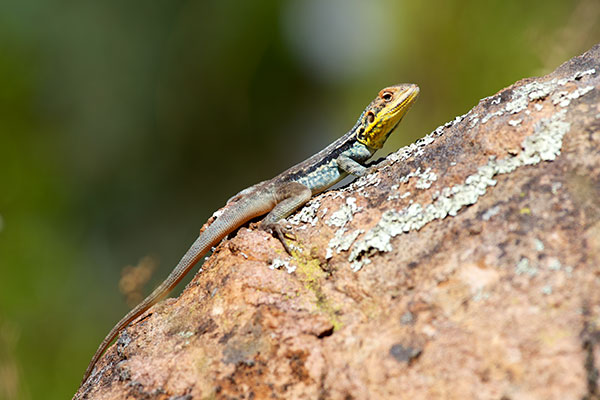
[
  {"x": 288, "y": 232},
  {"x": 282, "y": 232}
]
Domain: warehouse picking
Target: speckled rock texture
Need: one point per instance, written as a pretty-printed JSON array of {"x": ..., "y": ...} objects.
[{"x": 466, "y": 266}]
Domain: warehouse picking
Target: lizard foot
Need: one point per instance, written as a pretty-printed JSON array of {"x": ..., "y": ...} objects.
[
  {"x": 369, "y": 170},
  {"x": 282, "y": 233}
]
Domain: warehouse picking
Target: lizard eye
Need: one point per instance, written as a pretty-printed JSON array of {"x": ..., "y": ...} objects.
[
  {"x": 370, "y": 117},
  {"x": 387, "y": 96}
]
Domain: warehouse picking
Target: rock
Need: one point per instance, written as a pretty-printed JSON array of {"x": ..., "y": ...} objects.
[{"x": 466, "y": 266}]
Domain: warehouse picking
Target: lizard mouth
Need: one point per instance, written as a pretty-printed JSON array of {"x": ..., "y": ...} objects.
[{"x": 408, "y": 97}]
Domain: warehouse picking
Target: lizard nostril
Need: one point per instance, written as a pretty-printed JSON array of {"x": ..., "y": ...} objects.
[{"x": 370, "y": 117}]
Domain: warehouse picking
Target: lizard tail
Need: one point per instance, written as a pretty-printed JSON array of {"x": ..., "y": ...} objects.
[
  {"x": 191, "y": 257},
  {"x": 232, "y": 218}
]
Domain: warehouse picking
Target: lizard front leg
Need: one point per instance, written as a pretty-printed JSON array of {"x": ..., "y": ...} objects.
[
  {"x": 351, "y": 160},
  {"x": 290, "y": 197},
  {"x": 350, "y": 166}
]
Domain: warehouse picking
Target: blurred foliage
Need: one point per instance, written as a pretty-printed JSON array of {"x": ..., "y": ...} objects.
[{"x": 124, "y": 125}]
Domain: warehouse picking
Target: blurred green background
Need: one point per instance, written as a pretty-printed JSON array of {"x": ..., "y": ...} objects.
[{"x": 124, "y": 125}]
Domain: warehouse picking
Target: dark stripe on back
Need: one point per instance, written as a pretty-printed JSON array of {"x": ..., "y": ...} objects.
[{"x": 324, "y": 156}]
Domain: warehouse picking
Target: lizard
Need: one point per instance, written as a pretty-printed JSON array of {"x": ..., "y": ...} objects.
[{"x": 281, "y": 196}]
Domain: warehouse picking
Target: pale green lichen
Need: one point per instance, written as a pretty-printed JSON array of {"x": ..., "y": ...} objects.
[
  {"x": 554, "y": 264},
  {"x": 185, "y": 334},
  {"x": 359, "y": 185},
  {"x": 523, "y": 95},
  {"x": 555, "y": 187},
  {"x": 341, "y": 241},
  {"x": 307, "y": 215},
  {"x": 524, "y": 267},
  {"x": 490, "y": 212},
  {"x": 426, "y": 179},
  {"x": 538, "y": 244},
  {"x": 393, "y": 193},
  {"x": 345, "y": 213},
  {"x": 278, "y": 263},
  {"x": 563, "y": 98},
  {"x": 547, "y": 290}
]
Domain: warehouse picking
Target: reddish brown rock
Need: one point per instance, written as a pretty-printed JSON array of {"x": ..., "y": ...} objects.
[{"x": 466, "y": 267}]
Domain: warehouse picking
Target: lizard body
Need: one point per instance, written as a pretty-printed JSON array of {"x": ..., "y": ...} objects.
[{"x": 288, "y": 191}]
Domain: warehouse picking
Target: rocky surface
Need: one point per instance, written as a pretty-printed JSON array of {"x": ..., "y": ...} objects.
[{"x": 466, "y": 266}]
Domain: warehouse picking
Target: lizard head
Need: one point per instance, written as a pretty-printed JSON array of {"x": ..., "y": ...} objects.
[{"x": 384, "y": 113}]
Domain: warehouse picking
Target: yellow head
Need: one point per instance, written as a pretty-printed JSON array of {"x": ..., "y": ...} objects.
[{"x": 384, "y": 113}]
